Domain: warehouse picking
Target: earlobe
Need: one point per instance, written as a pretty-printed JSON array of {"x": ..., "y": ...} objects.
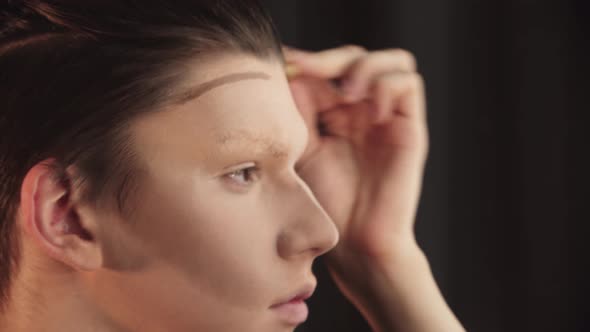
[{"x": 51, "y": 220}]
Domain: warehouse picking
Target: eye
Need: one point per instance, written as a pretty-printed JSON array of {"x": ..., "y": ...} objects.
[{"x": 244, "y": 176}]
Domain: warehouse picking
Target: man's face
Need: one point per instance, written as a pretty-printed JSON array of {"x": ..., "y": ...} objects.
[{"x": 224, "y": 227}]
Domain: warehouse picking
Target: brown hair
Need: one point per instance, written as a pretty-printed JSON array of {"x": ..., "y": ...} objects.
[{"x": 74, "y": 73}]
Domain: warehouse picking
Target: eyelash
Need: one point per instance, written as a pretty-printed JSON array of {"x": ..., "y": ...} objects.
[{"x": 251, "y": 170}]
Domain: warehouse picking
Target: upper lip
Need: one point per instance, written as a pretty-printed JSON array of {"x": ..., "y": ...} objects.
[{"x": 304, "y": 293}]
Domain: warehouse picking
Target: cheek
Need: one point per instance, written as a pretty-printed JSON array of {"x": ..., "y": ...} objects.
[{"x": 221, "y": 243}]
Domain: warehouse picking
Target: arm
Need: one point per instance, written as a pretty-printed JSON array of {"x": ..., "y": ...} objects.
[
  {"x": 399, "y": 294},
  {"x": 366, "y": 171}
]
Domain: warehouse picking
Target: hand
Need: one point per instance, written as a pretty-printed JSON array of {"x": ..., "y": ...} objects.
[{"x": 365, "y": 165}]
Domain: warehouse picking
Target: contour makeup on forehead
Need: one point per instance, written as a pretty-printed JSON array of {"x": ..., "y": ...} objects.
[
  {"x": 277, "y": 150},
  {"x": 200, "y": 89}
]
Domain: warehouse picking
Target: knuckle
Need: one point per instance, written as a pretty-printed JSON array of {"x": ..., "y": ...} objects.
[
  {"x": 407, "y": 57},
  {"x": 352, "y": 48},
  {"x": 363, "y": 64},
  {"x": 416, "y": 81},
  {"x": 387, "y": 84},
  {"x": 397, "y": 82}
]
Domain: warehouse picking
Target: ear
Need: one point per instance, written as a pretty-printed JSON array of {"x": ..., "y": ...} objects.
[{"x": 49, "y": 215}]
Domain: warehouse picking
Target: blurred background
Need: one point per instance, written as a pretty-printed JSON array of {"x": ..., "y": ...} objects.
[{"x": 504, "y": 212}]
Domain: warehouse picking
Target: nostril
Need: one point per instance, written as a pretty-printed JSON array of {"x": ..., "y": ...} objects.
[
  {"x": 328, "y": 244},
  {"x": 320, "y": 251}
]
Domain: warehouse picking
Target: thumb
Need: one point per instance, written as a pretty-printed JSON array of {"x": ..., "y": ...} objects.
[{"x": 327, "y": 64}]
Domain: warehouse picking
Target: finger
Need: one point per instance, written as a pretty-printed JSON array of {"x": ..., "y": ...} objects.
[
  {"x": 327, "y": 64},
  {"x": 399, "y": 94},
  {"x": 347, "y": 121},
  {"x": 319, "y": 94},
  {"x": 292, "y": 53},
  {"x": 336, "y": 123},
  {"x": 361, "y": 74}
]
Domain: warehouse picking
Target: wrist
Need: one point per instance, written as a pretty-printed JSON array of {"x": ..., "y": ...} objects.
[{"x": 397, "y": 291}]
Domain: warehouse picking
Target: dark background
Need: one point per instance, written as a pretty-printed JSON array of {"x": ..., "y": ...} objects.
[{"x": 503, "y": 213}]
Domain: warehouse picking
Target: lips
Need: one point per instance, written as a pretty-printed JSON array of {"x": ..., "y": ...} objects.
[
  {"x": 293, "y": 309},
  {"x": 301, "y": 295}
]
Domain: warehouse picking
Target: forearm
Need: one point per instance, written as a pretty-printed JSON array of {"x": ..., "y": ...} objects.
[{"x": 401, "y": 295}]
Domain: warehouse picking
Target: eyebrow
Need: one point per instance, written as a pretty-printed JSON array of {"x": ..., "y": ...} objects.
[
  {"x": 200, "y": 89},
  {"x": 273, "y": 148}
]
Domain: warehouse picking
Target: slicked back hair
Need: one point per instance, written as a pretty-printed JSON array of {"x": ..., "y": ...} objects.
[{"x": 73, "y": 74}]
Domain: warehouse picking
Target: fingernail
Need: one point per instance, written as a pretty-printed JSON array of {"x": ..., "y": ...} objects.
[{"x": 291, "y": 70}]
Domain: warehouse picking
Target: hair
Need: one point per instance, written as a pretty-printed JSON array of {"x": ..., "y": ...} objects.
[{"x": 73, "y": 74}]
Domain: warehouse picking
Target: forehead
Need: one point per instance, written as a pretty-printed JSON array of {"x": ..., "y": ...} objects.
[
  {"x": 229, "y": 101},
  {"x": 236, "y": 95}
]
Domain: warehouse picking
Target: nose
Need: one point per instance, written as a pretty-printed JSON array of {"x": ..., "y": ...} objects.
[{"x": 309, "y": 230}]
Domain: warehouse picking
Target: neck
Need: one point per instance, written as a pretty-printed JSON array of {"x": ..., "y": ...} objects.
[{"x": 54, "y": 296}]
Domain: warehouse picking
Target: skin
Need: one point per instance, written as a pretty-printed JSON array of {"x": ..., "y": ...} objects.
[
  {"x": 375, "y": 153},
  {"x": 223, "y": 240}
]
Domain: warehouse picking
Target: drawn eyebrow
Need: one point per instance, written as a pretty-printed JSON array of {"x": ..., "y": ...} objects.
[
  {"x": 273, "y": 148},
  {"x": 200, "y": 89}
]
